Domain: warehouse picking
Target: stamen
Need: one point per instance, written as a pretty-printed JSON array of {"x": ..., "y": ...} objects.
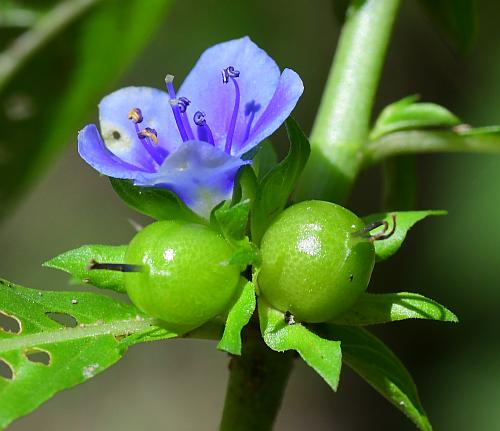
[
  {"x": 150, "y": 133},
  {"x": 250, "y": 109},
  {"x": 135, "y": 115},
  {"x": 204, "y": 132},
  {"x": 230, "y": 72},
  {"x": 174, "y": 103},
  {"x": 184, "y": 102},
  {"x": 384, "y": 234}
]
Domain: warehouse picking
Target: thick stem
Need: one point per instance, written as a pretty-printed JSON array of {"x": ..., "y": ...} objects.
[
  {"x": 342, "y": 122},
  {"x": 256, "y": 385}
]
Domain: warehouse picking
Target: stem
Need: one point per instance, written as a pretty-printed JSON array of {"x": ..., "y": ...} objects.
[
  {"x": 256, "y": 385},
  {"x": 342, "y": 123},
  {"x": 42, "y": 31}
]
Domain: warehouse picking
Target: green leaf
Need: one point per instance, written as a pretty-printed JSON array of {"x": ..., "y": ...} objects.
[
  {"x": 277, "y": 186},
  {"x": 76, "y": 263},
  {"x": 378, "y": 365},
  {"x": 161, "y": 204},
  {"x": 462, "y": 139},
  {"x": 404, "y": 221},
  {"x": 237, "y": 319},
  {"x": 79, "y": 49},
  {"x": 376, "y": 308},
  {"x": 324, "y": 356},
  {"x": 265, "y": 159},
  {"x": 407, "y": 114},
  {"x": 247, "y": 253},
  {"x": 79, "y": 334},
  {"x": 233, "y": 219},
  {"x": 457, "y": 18}
]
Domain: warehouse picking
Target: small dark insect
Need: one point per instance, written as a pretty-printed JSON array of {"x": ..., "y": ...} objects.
[{"x": 289, "y": 318}]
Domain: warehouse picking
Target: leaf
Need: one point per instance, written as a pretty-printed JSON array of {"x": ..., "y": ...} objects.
[
  {"x": 378, "y": 365},
  {"x": 78, "y": 49},
  {"x": 462, "y": 139},
  {"x": 237, "y": 319},
  {"x": 265, "y": 159},
  {"x": 80, "y": 334},
  {"x": 324, "y": 356},
  {"x": 161, "y": 204},
  {"x": 376, "y": 308},
  {"x": 76, "y": 263},
  {"x": 457, "y": 18},
  {"x": 233, "y": 219},
  {"x": 276, "y": 187},
  {"x": 247, "y": 253},
  {"x": 404, "y": 221},
  {"x": 407, "y": 114}
]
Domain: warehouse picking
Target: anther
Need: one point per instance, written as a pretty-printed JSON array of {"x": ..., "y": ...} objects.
[
  {"x": 135, "y": 115},
  {"x": 150, "y": 133},
  {"x": 229, "y": 72},
  {"x": 204, "y": 132},
  {"x": 183, "y": 103}
]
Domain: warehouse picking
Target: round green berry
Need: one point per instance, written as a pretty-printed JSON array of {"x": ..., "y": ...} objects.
[
  {"x": 185, "y": 277},
  {"x": 315, "y": 264}
]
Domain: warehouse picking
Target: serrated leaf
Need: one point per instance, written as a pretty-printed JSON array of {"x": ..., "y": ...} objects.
[
  {"x": 78, "y": 50},
  {"x": 233, "y": 219},
  {"x": 277, "y": 186},
  {"x": 76, "y": 263},
  {"x": 93, "y": 335},
  {"x": 161, "y": 204},
  {"x": 457, "y": 18},
  {"x": 238, "y": 317},
  {"x": 379, "y": 366},
  {"x": 324, "y": 356},
  {"x": 462, "y": 139},
  {"x": 376, "y": 308},
  {"x": 404, "y": 221},
  {"x": 408, "y": 114}
]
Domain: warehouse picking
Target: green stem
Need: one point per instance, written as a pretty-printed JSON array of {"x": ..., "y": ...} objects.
[
  {"x": 256, "y": 385},
  {"x": 342, "y": 123}
]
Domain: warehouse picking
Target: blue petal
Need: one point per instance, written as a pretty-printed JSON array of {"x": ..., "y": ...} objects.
[
  {"x": 92, "y": 149},
  {"x": 157, "y": 114},
  {"x": 288, "y": 92},
  {"x": 258, "y": 80},
  {"x": 200, "y": 174}
]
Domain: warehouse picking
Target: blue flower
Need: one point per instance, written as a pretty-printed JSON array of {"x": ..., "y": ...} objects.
[{"x": 192, "y": 141}]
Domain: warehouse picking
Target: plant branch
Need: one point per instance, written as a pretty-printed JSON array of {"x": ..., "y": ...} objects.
[
  {"x": 256, "y": 385},
  {"x": 342, "y": 122}
]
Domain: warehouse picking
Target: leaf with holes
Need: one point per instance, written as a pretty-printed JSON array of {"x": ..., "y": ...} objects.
[
  {"x": 404, "y": 222},
  {"x": 50, "y": 341}
]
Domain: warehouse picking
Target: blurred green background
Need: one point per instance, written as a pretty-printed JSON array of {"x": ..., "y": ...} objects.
[{"x": 180, "y": 384}]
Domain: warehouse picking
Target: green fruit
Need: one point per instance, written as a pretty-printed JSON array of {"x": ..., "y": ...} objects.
[
  {"x": 186, "y": 278},
  {"x": 313, "y": 263}
]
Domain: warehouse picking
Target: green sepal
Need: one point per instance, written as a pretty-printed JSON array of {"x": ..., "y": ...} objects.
[
  {"x": 408, "y": 114},
  {"x": 82, "y": 334},
  {"x": 238, "y": 317},
  {"x": 404, "y": 221},
  {"x": 376, "y": 308},
  {"x": 379, "y": 366},
  {"x": 76, "y": 263},
  {"x": 160, "y": 204},
  {"x": 276, "y": 187},
  {"x": 232, "y": 220},
  {"x": 324, "y": 356}
]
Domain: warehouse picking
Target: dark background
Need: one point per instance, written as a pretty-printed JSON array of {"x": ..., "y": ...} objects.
[{"x": 180, "y": 384}]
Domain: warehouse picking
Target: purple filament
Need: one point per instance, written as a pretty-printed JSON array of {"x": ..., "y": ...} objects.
[
  {"x": 174, "y": 103},
  {"x": 227, "y": 73},
  {"x": 204, "y": 132}
]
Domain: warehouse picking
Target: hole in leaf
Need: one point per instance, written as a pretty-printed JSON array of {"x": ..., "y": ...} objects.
[
  {"x": 6, "y": 370},
  {"x": 38, "y": 356},
  {"x": 9, "y": 323},
  {"x": 64, "y": 319}
]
